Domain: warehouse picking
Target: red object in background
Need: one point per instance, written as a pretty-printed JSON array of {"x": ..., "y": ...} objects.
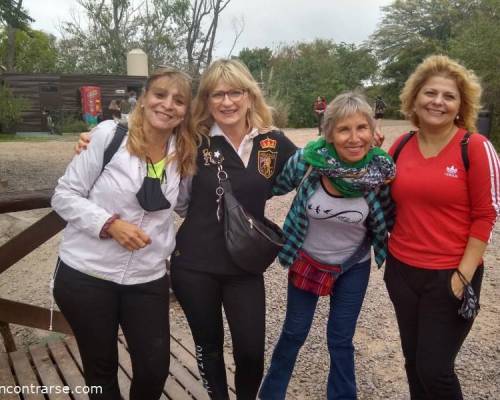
[{"x": 91, "y": 103}]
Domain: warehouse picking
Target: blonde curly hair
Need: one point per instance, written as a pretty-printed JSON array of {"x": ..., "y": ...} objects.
[{"x": 466, "y": 80}]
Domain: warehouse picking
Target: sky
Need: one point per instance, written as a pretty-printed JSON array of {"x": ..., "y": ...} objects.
[{"x": 267, "y": 23}]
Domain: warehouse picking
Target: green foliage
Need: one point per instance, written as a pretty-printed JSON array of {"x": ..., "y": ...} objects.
[
  {"x": 35, "y": 51},
  {"x": 477, "y": 46},
  {"x": 467, "y": 30},
  {"x": 301, "y": 72},
  {"x": 70, "y": 124},
  {"x": 411, "y": 30},
  {"x": 10, "y": 109},
  {"x": 13, "y": 15},
  {"x": 111, "y": 28},
  {"x": 258, "y": 61},
  {"x": 418, "y": 25}
]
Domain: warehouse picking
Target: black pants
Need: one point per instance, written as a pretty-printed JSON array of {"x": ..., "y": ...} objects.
[
  {"x": 94, "y": 308},
  {"x": 320, "y": 123},
  {"x": 202, "y": 296},
  {"x": 431, "y": 330}
]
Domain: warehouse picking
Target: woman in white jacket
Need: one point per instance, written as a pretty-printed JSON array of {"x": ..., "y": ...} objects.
[{"x": 111, "y": 269}]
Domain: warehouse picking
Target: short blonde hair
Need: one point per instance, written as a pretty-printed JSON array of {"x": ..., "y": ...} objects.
[
  {"x": 186, "y": 139},
  {"x": 343, "y": 106},
  {"x": 466, "y": 80},
  {"x": 235, "y": 74}
]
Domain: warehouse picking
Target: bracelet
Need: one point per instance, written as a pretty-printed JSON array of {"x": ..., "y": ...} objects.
[{"x": 104, "y": 230}]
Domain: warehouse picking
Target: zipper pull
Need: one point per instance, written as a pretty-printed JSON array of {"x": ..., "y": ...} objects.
[{"x": 251, "y": 223}]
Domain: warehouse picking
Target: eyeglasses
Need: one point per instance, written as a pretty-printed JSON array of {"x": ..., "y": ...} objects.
[{"x": 234, "y": 95}]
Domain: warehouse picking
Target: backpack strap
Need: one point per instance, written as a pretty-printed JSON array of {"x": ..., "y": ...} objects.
[
  {"x": 401, "y": 144},
  {"x": 114, "y": 145},
  {"x": 464, "y": 143}
]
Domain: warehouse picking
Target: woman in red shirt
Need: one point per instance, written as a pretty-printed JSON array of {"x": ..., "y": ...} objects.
[{"x": 445, "y": 217}]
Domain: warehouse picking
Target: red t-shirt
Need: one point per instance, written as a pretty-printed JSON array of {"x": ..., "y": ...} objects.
[{"x": 439, "y": 205}]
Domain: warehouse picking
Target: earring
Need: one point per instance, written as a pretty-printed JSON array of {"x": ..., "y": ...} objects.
[{"x": 457, "y": 117}]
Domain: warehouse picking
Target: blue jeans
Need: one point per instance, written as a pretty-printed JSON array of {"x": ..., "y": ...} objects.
[{"x": 345, "y": 304}]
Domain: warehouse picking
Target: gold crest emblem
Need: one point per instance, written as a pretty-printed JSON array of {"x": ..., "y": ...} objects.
[
  {"x": 266, "y": 161},
  {"x": 268, "y": 143}
]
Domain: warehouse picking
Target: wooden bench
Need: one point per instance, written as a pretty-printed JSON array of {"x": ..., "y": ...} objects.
[{"x": 57, "y": 363}]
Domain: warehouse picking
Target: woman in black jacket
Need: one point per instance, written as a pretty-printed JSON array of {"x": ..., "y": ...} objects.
[{"x": 236, "y": 124}]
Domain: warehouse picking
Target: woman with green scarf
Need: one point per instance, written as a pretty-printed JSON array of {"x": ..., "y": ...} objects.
[{"x": 340, "y": 211}]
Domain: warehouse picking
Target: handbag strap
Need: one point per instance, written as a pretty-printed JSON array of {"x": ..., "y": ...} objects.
[
  {"x": 308, "y": 172},
  {"x": 464, "y": 280}
]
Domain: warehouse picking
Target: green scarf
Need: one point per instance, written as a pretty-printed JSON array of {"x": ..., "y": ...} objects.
[{"x": 350, "y": 179}]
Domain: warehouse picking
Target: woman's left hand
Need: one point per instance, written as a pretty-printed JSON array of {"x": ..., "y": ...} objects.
[{"x": 457, "y": 286}]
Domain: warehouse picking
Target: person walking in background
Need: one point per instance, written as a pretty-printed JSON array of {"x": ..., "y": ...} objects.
[
  {"x": 319, "y": 108},
  {"x": 111, "y": 270},
  {"x": 447, "y": 197},
  {"x": 379, "y": 107},
  {"x": 114, "y": 108},
  {"x": 335, "y": 218},
  {"x": 132, "y": 99}
]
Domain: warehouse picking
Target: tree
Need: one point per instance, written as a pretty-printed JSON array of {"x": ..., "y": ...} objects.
[
  {"x": 258, "y": 61},
  {"x": 12, "y": 14},
  {"x": 35, "y": 51},
  {"x": 200, "y": 43},
  {"x": 14, "y": 17},
  {"x": 410, "y": 24},
  {"x": 411, "y": 30},
  {"x": 297, "y": 74},
  {"x": 99, "y": 44},
  {"x": 476, "y": 45},
  {"x": 111, "y": 28},
  {"x": 176, "y": 32},
  {"x": 162, "y": 32}
]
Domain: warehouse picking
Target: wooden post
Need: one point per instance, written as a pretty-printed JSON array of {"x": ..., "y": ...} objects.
[{"x": 8, "y": 339}]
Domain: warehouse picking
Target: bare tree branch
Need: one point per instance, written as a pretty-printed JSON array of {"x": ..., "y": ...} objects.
[{"x": 238, "y": 27}]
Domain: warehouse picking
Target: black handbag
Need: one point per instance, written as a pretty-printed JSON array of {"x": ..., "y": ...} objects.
[{"x": 253, "y": 244}]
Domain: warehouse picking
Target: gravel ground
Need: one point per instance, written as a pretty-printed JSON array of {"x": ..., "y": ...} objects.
[{"x": 379, "y": 363}]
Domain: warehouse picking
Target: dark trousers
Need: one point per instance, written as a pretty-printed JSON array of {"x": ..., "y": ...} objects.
[
  {"x": 94, "y": 308},
  {"x": 320, "y": 123},
  {"x": 431, "y": 330},
  {"x": 202, "y": 297}
]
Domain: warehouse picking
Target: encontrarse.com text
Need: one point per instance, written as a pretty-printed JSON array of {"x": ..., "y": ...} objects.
[{"x": 55, "y": 389}]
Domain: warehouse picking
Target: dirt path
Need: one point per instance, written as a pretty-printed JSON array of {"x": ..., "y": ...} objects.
[{"x": 379, "y": 363}]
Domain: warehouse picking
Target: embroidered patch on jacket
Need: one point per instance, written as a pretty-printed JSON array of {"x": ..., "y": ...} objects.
[
  {"x": 207, "y": 156},
  {"x": 266, "y": 160},
  {"x": 268, "y": 143},
  {"x": 210, "y": 157}
]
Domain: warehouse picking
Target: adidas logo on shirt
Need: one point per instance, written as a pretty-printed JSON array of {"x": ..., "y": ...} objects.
[{"x": 451, "y": 171}]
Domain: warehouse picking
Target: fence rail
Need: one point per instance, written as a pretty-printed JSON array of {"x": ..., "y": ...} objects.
[{"x": 18, "y": 247}]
